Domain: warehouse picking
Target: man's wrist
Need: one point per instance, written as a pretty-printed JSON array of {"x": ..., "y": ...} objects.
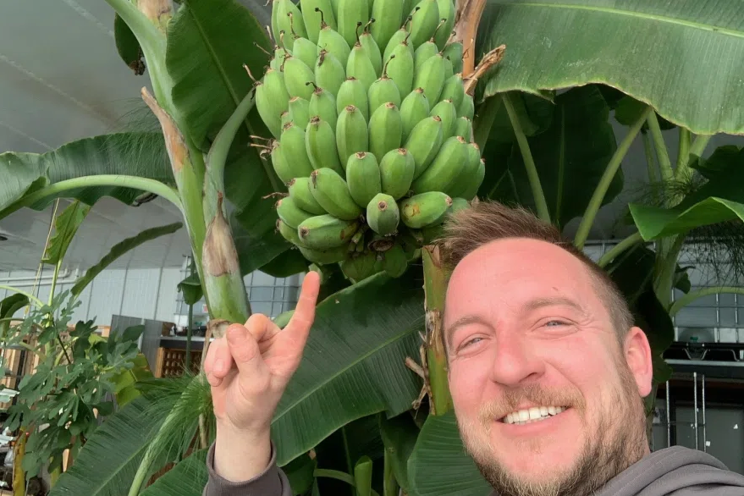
[{"x": 241, "y": 454}]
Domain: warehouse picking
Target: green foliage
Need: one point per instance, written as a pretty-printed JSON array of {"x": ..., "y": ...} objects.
[
  {"x": 65, "y": 227},
  {"x": 667, "y": 60},
  {"x": 76, "y": 372},
  {"x": 188, "y": 478},
  {"x": 128, "y": 46},
  {"x": 120, "y": 249}
]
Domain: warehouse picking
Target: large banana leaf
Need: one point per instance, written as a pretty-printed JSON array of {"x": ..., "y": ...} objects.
[
  {"x": 570, "y": 156},
  {"x": 683, "y": 56},
  {"x": 719, "y": 200},
  {"x": 209, "y": 41},
  {"x": 109, "y": 460},
  {"x": 353, "y": 363},
  {"x": 439, "y": 465},
  {"x": 65, "y": 227},
  {"x": 120, "y": 249},
  {"x": 133, "y": 154},
  {"x": 187, "y": 478}
]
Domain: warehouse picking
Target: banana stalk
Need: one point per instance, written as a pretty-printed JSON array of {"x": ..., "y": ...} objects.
[{"x": 435, "y": 286}]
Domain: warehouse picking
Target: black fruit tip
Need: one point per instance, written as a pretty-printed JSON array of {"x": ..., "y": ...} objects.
[
  {"x": 303, "y": 232},
  {"x": 382, "y": 206}
]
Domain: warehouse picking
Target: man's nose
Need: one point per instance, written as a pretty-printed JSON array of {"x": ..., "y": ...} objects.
[{"x": 515, "y": 360}]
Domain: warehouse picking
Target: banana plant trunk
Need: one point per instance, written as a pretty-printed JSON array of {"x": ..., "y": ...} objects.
[{"x": 435, "y": 287}]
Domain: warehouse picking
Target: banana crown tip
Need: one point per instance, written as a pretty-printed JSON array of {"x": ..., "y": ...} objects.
[
  {"x": 382, "y": 205},
  {"x": 350, "y": 108},
  {"x": 361, "y": 155}
]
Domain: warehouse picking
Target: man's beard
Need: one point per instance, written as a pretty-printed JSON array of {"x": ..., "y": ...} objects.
[{"x": 607, "y": 452}]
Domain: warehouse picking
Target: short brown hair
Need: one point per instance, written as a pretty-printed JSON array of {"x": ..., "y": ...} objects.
[{"x": 487, "y": 221}]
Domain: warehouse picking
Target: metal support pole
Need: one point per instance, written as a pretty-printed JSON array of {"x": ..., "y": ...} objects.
[
  {"x": 668, "y": 417},
  {"x": 705, "y": 424},
  {"x": 695, "y": 401}
]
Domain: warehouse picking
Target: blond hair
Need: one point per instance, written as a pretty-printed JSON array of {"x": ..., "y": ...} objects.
[{"x": 487, "y": 221}]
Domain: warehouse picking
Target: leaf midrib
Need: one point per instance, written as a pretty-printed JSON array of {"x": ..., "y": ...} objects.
[
  {"x": 635, "y": 14},
  {"x": 351, "y": 365}
]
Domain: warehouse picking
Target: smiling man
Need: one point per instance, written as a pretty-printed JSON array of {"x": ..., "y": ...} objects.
[{"x": 546, "y": 370}]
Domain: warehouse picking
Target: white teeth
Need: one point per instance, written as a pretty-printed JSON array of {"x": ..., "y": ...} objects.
[{"x": 534, "y": 414}]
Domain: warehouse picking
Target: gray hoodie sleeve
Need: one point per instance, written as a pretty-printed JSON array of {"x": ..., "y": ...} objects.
[{"x": 270, "y": 482}]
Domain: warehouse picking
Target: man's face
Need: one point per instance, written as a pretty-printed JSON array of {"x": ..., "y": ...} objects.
[{"x": 546, "y": 397}]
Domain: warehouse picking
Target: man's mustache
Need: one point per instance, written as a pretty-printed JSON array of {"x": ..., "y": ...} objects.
[{"x": 534, "y": 395}]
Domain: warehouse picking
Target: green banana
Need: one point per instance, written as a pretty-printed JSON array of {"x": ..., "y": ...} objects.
[
  {"x": 423, "y": 52},
  {"x": 332, "y": 193},
  {"x": 296, "y": 76},
  {"x": 385, "y": 130},
  {"x": 272, "y": 100},
  {"x": 445, "y": 168},
  {"x": 460, "y": 186},
  {"x": 424, "y": 22},
  {"x": 278, "y": 59},
  {"x": 279, "y": 162},
  {"x": 332, "y": 42},
  {"x": 286, "y": 118},
  {"x": 382, "y": 91},
  {"x": 454, "y": 52},
  {"x": 299, "y": 110},
  {"x": 323, "y": 105},
  {"x": 299, "y": 191},
  {"x": 305, "y": 50},
  {"x": 431, "y": 77},
  {"x": 351, "y": 133},
  {"x": 433, "y": 232},
  {"x": 395, "y": 261},
  {"x": 388, "y": 15},
  {"x": 446, "y": 11},
  {"x": 400, "y": 67},
  {"x": 353, "y": 92},
  {"x": 424, "y": 209},
  {"x": 293, "y": 148},
  {"x": 380, "y": 243},
  {"x": 329, "y": 73},
  {"x": 334, "y": 5},
  {"x": 448, "y": 113},
  {"x": 383, "y": 214},
  {"x": 325, "y": 257},
  {"x": 457, "y": 205},
  {"x": 325, "y": 232},
  {"x": 360, "y": 66},
  {"x": 454, "y": 89},
  {"x": 351, "y": 12},
  {"x": 449, "y": 69},
  {"x": 313, "y": 18},
  {"x": 414, "y": 109},
  {"x": 464, "y": 128},
  {"x": 320, "y": 145},
  {"x": 423, "y": 143},
  {"x": 370, "y": 47},
  {"x": 290, "y": 213},
  {"x": 283, "y": 22},
  {"x": 287, "y": 232},
  {"x": 476, "y": 181},
  {"x": 358, "y": 268},
  {"x": 396, "y": 172},
  {"x": 466, "y": 108},
  {"x": 396, "y": 39},
  {"x": 363, "y": 177}
]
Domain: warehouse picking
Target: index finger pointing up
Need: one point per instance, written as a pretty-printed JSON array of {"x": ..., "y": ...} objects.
[{"x": 304, "y": 314}]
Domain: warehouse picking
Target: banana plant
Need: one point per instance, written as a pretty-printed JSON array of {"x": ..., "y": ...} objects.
[{"x": 543, "y": 120}]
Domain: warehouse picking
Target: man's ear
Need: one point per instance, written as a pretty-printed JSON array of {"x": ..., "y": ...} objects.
[{"x": 637, "y": 354}]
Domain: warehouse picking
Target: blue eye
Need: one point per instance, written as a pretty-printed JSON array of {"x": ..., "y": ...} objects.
[
  {"x": 554, "y": 323},
  {"x": 472, "y": 341}
]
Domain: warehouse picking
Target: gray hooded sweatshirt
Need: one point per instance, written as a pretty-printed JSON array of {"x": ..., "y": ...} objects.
[{"x": 675, "y": 471}]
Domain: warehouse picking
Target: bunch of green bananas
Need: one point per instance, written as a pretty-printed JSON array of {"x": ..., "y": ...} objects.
[{"x": 372, "y": 126}]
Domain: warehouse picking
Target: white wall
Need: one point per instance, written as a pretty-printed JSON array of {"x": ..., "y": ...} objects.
[{"x": 144, "y": 293}]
